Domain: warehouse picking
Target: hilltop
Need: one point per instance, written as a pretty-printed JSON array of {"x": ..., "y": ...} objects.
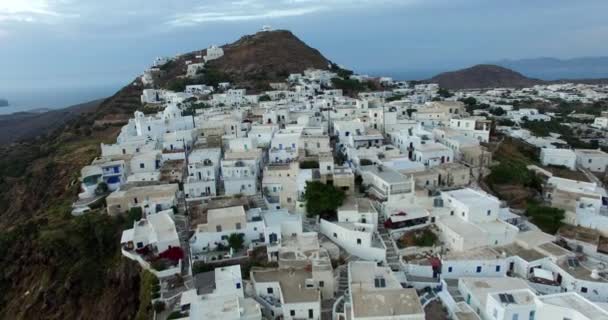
[
  {"x": 3, "y": 103},
  {"x": 252, "y": 62},
  {"x": 74, "y": 269},
  {"x": 482, "y": 76}
]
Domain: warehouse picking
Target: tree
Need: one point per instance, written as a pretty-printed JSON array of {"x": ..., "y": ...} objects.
[
  {"x": 264, "y": 98},
  {"x": 548, "y": 219},
  {"x": 444, "y": 93},
  {"x": 322, "y": 199},
  {"x": 236, "y": 240},
  {"x": 498, "y": 111},
  {"x": 135, "y": 214},
  {"x": 469, "y": 101}
]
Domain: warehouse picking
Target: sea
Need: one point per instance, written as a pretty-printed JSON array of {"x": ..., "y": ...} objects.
[{"x": 41, "y": 100}]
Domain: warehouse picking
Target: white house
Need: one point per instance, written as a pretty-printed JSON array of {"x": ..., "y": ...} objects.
[
  {"x": 288, "y": 293},
  {"x": 600, "y": 123},
  {"x": 385, "y": 183},
  {"x": 375, "y": 293},
  {"x": 220, "y": 223},
  {"x": 473, "y": 221},
  {"x": 111, "y": 172},
  {"x": 226, "y": 301},
  {"x": 592, "y": 159},
  {"x": 203, "y": 172},
  {"x": 433, "y": 154},
  {"x": 240, "y": 171},
  {"x": 558, "y": 157},
  {"x": 213, "y": 52}
]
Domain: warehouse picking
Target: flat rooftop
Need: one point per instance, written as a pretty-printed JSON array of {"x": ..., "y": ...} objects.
[
  {"x": 292, "y": 282},
  {"x": 362, "y": 205},
  {"x": 473, "y": 198},
  {"x": 385, "y": 173},
  {"x": 576, "y": 302},
  {"x": 385, "y": 302}
]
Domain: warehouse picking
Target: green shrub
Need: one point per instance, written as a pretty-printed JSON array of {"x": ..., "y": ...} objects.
[
  {"x": 548, "y": 219},
  {"x": 322, "y": 199}
]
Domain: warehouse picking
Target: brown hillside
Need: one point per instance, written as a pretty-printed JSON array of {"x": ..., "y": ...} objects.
[
  {"x": 483, "y": 76},
  {"x": 253, "y": 61},
  {"x": 268, "y": 56}
]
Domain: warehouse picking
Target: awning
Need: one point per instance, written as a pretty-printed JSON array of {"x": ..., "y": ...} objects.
[{"x": 543, "y": 274}]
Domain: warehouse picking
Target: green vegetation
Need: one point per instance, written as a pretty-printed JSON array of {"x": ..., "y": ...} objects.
[
  {"x": 544, "y": 128},
  {"x": 322, "y": 199},
  {"x": 191, "y": 108},
  {"x": 148, "y": 287},
  {"x": 342, "y": 73},
  {"x": 547, "y": 218},
  {"x": 418, "y": 238},
  {"x": 426, "y": 238},
  {"x": 134, "y": 214},
  {"x": 264, "y": 98},
  {"x": 236, "y": 241},
  {"x": 469, "y": 101},
  {"x": 444, "y": 93},
  {"x": 350, "y": 85},
  {"x": 498, "y": 111},
  {"x": 309, "y": 164}
]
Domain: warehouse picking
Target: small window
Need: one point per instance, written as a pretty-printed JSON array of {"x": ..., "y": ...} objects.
[
  {"x": 141, "y": 165},
  {"x": 310, "y": 313},
  {"x": 335, "y": 235},
  {"x": 218, "y": 228},
  {"x": 489, "y": 212},
  {"x": 497, "y": 268},
  {"x": 238, "y": 285},
  {"x": 321, "y": 284},
  {"x": 478, "y": 269},
  {"x": 450, "y": 269},
  {"x": 532, "y": 315},
  {"x": 269, "y": 290},
  {"x": 358, "y": 241},
  {"x": 292, "y": 313},
  {"x": 584, "y": 289},
  {"x": 238, "y": 226}
]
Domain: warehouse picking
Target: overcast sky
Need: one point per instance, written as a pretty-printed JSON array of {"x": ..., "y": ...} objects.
[{"x": 79, "y": 43}]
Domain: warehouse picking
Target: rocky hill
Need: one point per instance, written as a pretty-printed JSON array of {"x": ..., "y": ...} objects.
[
  {"x": 483, "y": 76},
  {"x": 251, "y": 62},
  {"x": 55, "y": 266}
]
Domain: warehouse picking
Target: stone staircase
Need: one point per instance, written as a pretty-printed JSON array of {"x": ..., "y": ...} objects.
[
  {"x": 258, "y": 201},
  {"x": 392, "y": 257}
]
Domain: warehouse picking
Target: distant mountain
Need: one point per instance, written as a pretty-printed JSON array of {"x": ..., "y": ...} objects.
[
  {"x": 33, "y": 123},
  {"x": 554, "y": 69},
  {"x": 482, "y": 76},
  {"x": 3, "y": 103}
]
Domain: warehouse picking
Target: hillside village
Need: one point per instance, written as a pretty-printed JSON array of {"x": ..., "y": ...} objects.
[{"x": 334, "y": 195}]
